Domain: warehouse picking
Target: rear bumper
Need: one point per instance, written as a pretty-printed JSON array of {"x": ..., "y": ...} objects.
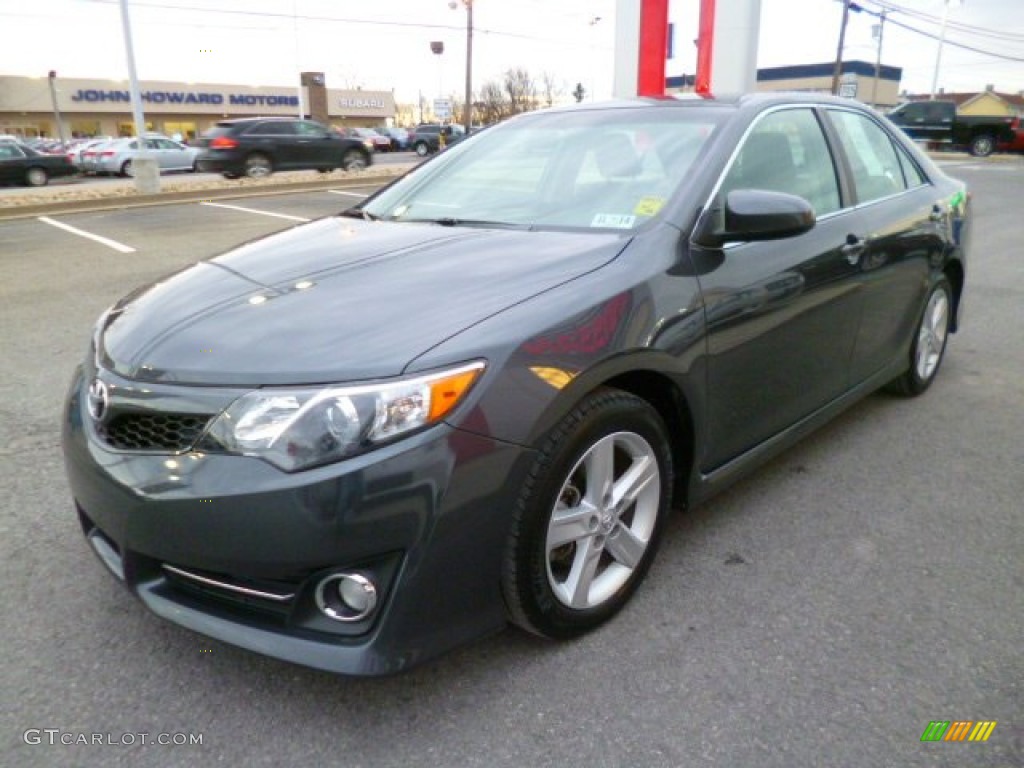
[{"x": 220, "y": 162}]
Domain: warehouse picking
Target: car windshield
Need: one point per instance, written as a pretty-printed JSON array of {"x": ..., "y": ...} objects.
[{"x": 592, "y": 169}]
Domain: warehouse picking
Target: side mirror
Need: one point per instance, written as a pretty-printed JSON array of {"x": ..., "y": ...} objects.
[{"x": 756, "y": 214}]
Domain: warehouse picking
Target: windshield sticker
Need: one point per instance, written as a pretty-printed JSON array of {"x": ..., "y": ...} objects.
[
  {"x": 613, "y": 220},
  {"x": 648, "y": 206}
]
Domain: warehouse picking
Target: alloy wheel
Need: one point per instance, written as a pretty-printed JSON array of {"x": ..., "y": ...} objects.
[
  {"x": 603, "y": 520},
  {"x": 931, "y": 338}
]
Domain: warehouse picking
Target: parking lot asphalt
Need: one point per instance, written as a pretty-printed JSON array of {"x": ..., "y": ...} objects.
[{"x": 820, "y": 613}]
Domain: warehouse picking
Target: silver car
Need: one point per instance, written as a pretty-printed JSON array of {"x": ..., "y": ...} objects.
[{"x": 119, "y": 155}]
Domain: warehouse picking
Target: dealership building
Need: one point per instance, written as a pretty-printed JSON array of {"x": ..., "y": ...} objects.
[
  {"x": 103, "y": 107},
  {"x": 857, "y": 80}
]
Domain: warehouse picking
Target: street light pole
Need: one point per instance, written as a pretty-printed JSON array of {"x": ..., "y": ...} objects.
[
  {"x": 298, "y": 69},
  {"x": 878, "y": 60},
  {"x": 56, "y": 108},
  {"x": 145, "y": 168},
  {"x": 938, "y": 54}
]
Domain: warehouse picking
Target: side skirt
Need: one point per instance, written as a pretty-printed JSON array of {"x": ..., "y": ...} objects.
[{"x": 705, "y": 486}]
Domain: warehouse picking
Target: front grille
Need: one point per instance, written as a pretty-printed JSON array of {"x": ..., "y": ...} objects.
[{"x": 153, "y": 431}]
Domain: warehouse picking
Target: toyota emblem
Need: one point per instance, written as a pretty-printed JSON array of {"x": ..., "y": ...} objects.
[{"x": 98, "y": 400}]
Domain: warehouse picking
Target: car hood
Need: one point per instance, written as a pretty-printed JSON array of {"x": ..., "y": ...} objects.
[{"x": 336, "y": 300}]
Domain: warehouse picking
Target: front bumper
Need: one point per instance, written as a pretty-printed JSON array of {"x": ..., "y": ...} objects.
[{"x": 426, "y": 518}]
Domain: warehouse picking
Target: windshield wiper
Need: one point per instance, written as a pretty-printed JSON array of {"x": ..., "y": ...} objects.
[{"x": 451, "y": 221}]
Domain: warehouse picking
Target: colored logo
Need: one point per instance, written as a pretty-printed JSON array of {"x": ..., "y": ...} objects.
[{"x": 958, "y": 730}]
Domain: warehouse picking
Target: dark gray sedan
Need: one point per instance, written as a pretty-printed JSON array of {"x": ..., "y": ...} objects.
[
  {"x": 20, "y": 164},
  {"x": 475, "y": 398}
]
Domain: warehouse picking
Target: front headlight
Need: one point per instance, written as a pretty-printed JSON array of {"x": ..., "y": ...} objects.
[{"x": 301, "y": 428}]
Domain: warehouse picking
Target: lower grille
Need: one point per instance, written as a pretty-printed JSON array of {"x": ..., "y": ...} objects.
[
  {"x": 269, "y": 598},
  {"x": 153, "y": 431}
]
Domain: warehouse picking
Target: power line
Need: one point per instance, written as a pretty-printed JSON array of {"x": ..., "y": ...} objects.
[
  {"x": 969, "y": 29},
  {"x": 890, "y": 8},
  {"x": 307, "y": 17}
]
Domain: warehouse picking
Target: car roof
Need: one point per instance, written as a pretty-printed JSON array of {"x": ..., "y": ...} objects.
[
  {"x": 727, "y": 101},
  {"x": 269, "y": 118}
]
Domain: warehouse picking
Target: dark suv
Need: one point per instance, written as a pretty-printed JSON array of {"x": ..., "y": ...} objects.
[
  {"x": 426, "y": 138},
  {"x": 258, "y": 146}
]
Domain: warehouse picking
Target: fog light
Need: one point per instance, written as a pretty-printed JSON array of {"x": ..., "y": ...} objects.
[{"x": 346, "y": 596}]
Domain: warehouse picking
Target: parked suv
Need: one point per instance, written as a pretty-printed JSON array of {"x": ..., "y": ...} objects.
[
  {"x": 258, "y": 146},
  {"x": 427, "y": 137}
]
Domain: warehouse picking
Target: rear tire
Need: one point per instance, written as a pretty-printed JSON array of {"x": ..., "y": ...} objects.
[
  {"x": 589, "y": 517},
  {"x": 421, "y": 148},
  {"x": 127, "y": 169},
  {"x": 929, "y": 344},
  {"x": 258, "y": 166},
  {"x": 983, "y": 145}
]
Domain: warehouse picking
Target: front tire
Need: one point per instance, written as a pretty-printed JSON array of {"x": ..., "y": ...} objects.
[
  {"x": 588, "y": 520},
  {"x": 983, "y": 145},
  {"x": 929, "y": 345},
  {"x": 354, "y": 160},
  {"x": 422, "y": 149},
  {"x": 36, "y": 177}
]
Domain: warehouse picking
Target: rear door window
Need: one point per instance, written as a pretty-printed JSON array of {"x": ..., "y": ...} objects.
[
  {"x": 876, "y": 167},
  {"x": 275, "y": 128}
]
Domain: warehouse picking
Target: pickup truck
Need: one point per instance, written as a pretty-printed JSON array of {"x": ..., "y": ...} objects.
[
  {"x": 937, "y": 122},
  {"x": 1017, "y": 145}
]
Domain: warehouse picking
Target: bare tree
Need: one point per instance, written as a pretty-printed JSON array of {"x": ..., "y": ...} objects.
[
  {"x": 551, "y": 89},
  {"x": 521, "y": 90},
  {"x": 492, "y": 105}
]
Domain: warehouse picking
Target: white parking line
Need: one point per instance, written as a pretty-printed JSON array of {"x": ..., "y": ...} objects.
[
  {"x": 88, "y": 235},
  {"x": 343, "y": 192},
  {"x": 253, "y": 210}
]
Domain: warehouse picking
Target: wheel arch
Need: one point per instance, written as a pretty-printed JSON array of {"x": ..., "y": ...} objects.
[
  {"x": 662, "y": 394},
  {"x": 954, "y": 272},
  {"x": 652, "y": 384}
]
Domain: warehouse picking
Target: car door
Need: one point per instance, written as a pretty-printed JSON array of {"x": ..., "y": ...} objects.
[
  {"x": 902, "y": 215},
  {"x": 157, "y": 151},
  {"x": 315, "y": 147},
  {"x": 175, "y": 156},
  {"x": 781, "y": 315},
  {"x": 12, "y": 162},
  {"x": 276, "y": 139}
]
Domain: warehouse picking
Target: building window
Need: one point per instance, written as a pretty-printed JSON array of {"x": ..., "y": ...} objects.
[
  {"x": 180, "y": 130},
  {"x": 128, "y": 128},
  {"x": 84, "y": 129}
]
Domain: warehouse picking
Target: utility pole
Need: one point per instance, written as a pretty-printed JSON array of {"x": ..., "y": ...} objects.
[
  {"x": 469, "y": 66},
  {"x": 878, "y": 59},
  {"x": 839, "y": 50}
]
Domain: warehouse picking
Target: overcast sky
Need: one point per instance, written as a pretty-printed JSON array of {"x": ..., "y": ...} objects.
[{"x": 385, "y": 44}]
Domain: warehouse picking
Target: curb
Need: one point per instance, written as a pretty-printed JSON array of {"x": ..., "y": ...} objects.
[{"x": 189, "y": 196}]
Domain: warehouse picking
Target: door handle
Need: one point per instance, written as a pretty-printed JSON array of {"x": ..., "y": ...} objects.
[{"x": 853, "y": 248}]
